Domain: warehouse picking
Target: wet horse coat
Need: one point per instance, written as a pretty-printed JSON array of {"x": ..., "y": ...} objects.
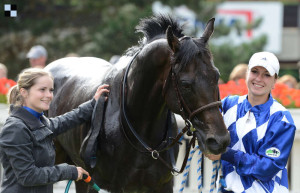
[{"x": 170, "y": 72}]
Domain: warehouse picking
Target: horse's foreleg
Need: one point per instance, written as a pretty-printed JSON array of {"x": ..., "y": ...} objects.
[
  {"x": 81, "y": 187},
  {"x": 92, "y": 191},
  {"x": 167, "y": 188}
]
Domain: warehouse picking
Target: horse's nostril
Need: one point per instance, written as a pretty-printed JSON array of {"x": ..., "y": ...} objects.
[
  {"x": 212, "y": 145},
  {"x": 212, "y": 142}
]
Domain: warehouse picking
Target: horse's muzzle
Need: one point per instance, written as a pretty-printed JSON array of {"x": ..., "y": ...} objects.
[{"x": 213, "y": 144}]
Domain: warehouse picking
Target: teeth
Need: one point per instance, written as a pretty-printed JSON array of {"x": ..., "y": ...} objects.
[{"x": 258, "y": 85}]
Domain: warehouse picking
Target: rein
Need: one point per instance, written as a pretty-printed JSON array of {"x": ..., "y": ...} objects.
[
  {"x": 216, "y": 171},
  {"x": 183, "y": 107},
  {"x": 154, "y": 153}
]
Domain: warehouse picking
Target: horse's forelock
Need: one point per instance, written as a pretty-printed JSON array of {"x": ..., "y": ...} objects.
[{"x": 189, "y": 49}]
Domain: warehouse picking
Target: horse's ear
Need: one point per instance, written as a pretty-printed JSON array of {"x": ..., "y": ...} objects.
[
  {"x": 209, "y": 29},
  {"x": 172, "y": 40}
]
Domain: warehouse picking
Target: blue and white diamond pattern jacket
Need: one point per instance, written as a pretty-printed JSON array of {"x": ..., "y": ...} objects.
[{"x": 261, "y": 140}]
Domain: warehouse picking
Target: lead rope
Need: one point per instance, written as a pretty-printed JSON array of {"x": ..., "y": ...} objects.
[
  {"x": 187, "y": 169},
  {"x": 199, "y": 171},
  {"x": 222, "y": 182},
  {"x": 214, "y": 175},
  {"x": 217, "y": 171},
  {"x": 87, "y": 179}
]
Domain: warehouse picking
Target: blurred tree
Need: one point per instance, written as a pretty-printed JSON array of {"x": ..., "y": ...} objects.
[
  {"x": 227, "y": 56},
  {"x": 99, "y": 28}
]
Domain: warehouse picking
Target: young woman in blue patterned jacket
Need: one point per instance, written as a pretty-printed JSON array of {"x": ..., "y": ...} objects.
[{"x": 262, "y": 133}]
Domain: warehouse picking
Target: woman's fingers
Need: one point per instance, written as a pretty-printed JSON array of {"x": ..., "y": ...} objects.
[
  {"x": 80, "y": 172},
  {"x": 100, "y": 90},
  {"x": 213, "y": 157}
]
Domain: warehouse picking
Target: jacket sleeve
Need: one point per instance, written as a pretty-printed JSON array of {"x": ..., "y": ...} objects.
[
  {"x": 262, "y": 165},
  {"x": 73, "y": 118},
  {"x": 16, "y": 141}
]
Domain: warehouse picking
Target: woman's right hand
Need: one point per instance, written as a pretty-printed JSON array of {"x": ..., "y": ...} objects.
[
  {"x": 213, "y": 157},
  {"x": 80, "y": 172},
  {"x": 100, "y": 90}
]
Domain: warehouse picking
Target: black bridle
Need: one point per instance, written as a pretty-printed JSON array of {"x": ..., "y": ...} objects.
[
  {"x": 185, "y": 111},
  {"x": 165, "y": 144},
  {"x": 154, "y": 152}
]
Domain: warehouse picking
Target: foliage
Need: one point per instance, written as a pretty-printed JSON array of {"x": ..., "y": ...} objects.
[
  {"x": 88, "y": 28},
  {"x": 3, "y": 98},
  {"x": 226, "y": 56},
  {"x": 100, "y": 29},
  {"x": 288, "y": 97}
]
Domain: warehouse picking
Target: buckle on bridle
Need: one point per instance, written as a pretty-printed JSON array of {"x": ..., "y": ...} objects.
[
  {"x": 175, "y": 172},
  {"x": 155, "y": 154},
  {"x": 190, "y": 127}
]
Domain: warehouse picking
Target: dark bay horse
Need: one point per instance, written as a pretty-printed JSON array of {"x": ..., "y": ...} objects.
[{"x": 166, "y": 71}]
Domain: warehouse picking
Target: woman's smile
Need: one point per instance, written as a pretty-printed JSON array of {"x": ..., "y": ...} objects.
[
  {"x": 40, "y": 95},
  {"x": 260, "y": 83}
]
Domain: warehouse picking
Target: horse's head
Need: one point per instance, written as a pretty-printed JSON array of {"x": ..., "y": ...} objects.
[{"x": 191, "y": 89}]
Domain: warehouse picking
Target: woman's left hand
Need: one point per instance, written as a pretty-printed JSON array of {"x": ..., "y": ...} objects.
[
  {"x": 213, "y": 157},
  {"x": 101, "y": 89}
]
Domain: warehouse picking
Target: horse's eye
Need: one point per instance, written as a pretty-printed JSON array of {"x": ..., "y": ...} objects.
[{"x": 186, "y": 85}]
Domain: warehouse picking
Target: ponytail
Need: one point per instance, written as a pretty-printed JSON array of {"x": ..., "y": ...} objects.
[{"x": 14, "y": 97}]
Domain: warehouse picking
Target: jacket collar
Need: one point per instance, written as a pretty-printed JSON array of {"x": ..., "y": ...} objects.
[
  {"x": 31, "y": 121},
  {"x": 35, "y": 113},
  {"x": 260, "y": 108}
]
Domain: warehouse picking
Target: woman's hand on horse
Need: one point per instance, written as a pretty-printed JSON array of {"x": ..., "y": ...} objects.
[
  {"x": 80, "y": 172},
  {"x": 100, "y": 90},
  {"x": 213, "y": 157}
]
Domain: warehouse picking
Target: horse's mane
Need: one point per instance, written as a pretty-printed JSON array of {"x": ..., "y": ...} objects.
[
  {"x": 154, "y": 28},
  {"x": 157, "y": 25}
]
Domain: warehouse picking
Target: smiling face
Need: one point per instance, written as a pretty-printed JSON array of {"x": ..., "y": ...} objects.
[
  {"x": 259, "y": 83},
  {"x": 39, "y": 96}
]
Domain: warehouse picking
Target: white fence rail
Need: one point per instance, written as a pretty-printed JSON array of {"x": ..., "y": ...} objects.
[{"x": 191, "y": 186}]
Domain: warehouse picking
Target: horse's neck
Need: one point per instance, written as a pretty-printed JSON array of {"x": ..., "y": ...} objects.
[
  {"x": 145, "y": 83},
  {"x": 146, "y": 105}
]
